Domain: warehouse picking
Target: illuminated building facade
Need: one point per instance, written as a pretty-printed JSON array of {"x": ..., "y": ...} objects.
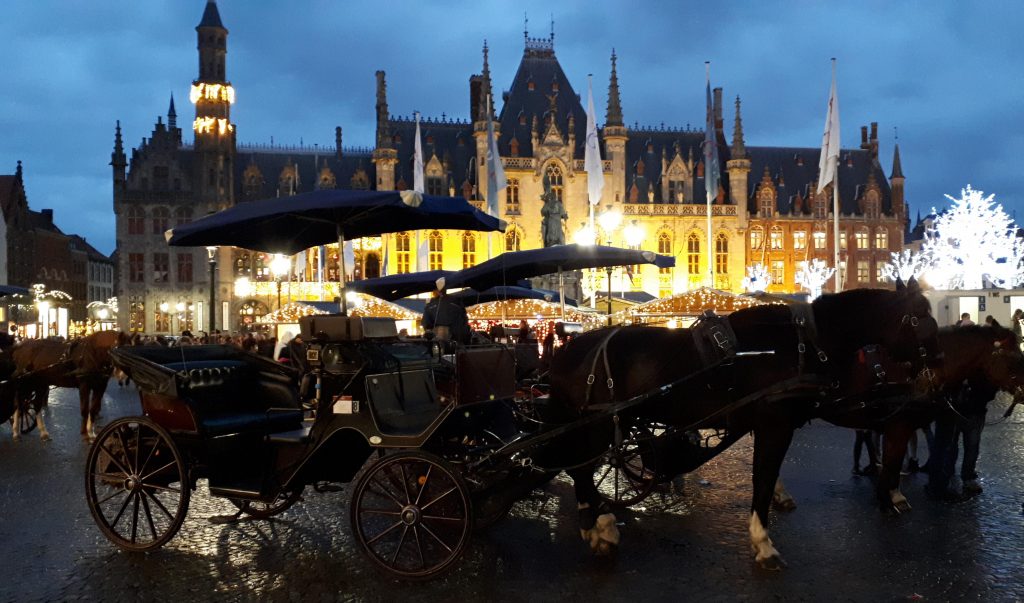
[{"x": 764, "y": 212}]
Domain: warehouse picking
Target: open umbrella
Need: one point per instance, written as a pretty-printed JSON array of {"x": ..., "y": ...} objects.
[
  {"x": 471, "y": 297},
  {"x": 6, "y": 290},
  {"x": 290, "y": 224},
  {"x": 397, "y": 286}
]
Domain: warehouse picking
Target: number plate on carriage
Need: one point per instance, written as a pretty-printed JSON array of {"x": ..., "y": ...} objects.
[{"x": 345, "y": 405}]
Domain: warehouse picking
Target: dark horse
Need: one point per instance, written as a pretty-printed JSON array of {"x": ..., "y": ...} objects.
[
  {"x": 788, "y": 362},
  {"x": 986, "y": 358},
  {"x": 83, "y": 363}
]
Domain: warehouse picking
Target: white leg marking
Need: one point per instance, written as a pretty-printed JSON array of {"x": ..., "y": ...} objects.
[
  {"x": 782, "y": 498},
  {"x": 16, "y": 423},
  {"x": 760, "y": 542},
  {"x": 43, "y": 433},
  {"x": 899, "y": 502},
  {"x": 604, "y": 537}
]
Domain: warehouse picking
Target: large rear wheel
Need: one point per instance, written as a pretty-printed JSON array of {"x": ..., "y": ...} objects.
[
  {"x": 411, "y": 514},
  {"x": 136, "y": 484}
]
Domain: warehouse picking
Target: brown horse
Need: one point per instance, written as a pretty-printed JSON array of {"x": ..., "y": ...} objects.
[{"x": 43, "y": 363}]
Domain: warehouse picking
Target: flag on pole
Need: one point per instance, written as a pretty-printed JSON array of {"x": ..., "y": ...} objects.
[
  {"x": 830, "y": 140},
  {"x": 495, "y": 172},
  {"x": 300, "y": 263},
  {"x": 384, "y": 263},
  {"x": 422, "y": 254},
  {"x": 592, "y": 153},
  {"x": 417, "y": 162},
  {"x": 349, "y": 257},
  {"x": 710, "y": 152}
]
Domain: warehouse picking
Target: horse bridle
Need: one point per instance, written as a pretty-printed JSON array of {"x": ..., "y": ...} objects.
[{"x": 923, "y": 362}]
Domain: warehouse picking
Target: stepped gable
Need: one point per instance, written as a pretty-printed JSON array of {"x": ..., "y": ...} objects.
[
  {"x": 448, "y": 138},
  {"x": 784, "y": 162},
  {"x": 540, "y": 67}
]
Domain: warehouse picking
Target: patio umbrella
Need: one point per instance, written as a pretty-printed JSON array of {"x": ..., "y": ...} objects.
[
  {"x": 6, "y": 290},
  {"x": 471, "y": 297},
  {"x": 397, "y": 286},
  {"x": 517, "y": 265},
  {"x": 290, "y": 224}
]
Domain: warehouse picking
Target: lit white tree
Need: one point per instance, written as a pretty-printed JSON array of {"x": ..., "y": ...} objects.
[
  {"x": 757, "y": 279},
  {"x": 813, "y": 275},
  {"x": 905, "y": 265},
  {"x": 972, "y": 242}
]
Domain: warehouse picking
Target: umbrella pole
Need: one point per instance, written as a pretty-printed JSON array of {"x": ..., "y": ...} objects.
[
  {"x": 561, "y": 291},
  {"x": 341, "y": 270}
]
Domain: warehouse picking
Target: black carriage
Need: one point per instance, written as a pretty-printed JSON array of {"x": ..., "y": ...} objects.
[{"x": 430, "y": 423}]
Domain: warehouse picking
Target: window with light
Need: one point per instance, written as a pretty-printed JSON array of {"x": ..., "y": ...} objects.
[
  {"x": 402, "y": 256},
  {"x": 778, "y": 272},
  {"x": 468, "y": 250},
  {"x": 820, "y": 240},
  {"x": 882, "y": 239},
  {"x": 776, "y": 238},
  {"x": 756, "y": 237},
  {"x": 863, "y": 271},
  {"x": 435, "y": 243},
  {"x": 800, "y": 239},
  {"x": 554, "y": 174},
  {"x": 512, "y": 197},
  {"x": 665, "y": 248},
  {"x": 861, "y": 239},
  {"x": 693, "y": 254}
]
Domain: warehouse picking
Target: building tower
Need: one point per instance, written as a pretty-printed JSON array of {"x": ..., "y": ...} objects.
[
  {"x": 738, "y": 167},
  {"x": 214, "y": 133},
  {"x": 384, "y": 155},
  {"x": 896, "y": 180},
  {"x": 119, "y": 163},
  {"x": 615, "y": 136},
  {"x": 484, "y": 109}
]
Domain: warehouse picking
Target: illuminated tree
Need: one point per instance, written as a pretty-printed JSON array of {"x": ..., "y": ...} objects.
[
  {"x": 971, "y": 243},
  {"x": 905, "y": 265},
  {"x": 813, "y": 276},
  {"x": 758, "y": 278}
]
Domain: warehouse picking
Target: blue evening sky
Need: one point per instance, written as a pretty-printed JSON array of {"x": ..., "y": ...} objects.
[{"x": 947, "y": 74}]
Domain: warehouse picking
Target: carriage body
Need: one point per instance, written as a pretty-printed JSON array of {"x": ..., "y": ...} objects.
[{"x": 259, "y": 432}]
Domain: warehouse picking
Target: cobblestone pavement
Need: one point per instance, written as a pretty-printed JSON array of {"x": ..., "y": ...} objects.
[{"x": 689, "y": 544}]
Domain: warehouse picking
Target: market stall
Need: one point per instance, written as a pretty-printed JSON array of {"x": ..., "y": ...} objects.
[{"x": 680, "y": 311}]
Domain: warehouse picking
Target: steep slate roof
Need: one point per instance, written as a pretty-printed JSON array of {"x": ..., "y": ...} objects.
[
  {"x": 83, "y": 245},
  {"x": 785, "y": 162},
  {"x": 37, "y": 221},
  {"x": 8, "y": 194},
  {"x": 271, "y": 162},
  {"x": 648, "y": 145},
  {"x": 451, "y": 140},
  {"x": 211, "y": 16},
  {"x": 540, "y": 66}
]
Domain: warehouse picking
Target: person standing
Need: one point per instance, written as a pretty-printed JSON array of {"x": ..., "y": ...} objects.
[{"x": 1015, "y": 320}]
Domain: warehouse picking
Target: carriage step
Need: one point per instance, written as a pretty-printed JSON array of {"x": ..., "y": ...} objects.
[{"x": 296, "y": 436}]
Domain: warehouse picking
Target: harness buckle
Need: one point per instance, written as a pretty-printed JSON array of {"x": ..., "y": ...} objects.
[
  {"x": 590, "y": 379},
  {"x": 822, "y": 356},
  {"x": 611, "y": 383},
  {"x": 800, "y": 347}
]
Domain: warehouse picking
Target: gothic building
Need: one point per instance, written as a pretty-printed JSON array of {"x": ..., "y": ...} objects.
[{"x": 766, "y": 210}]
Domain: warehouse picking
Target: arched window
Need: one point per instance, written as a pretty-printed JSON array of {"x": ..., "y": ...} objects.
[
  {"x": 513, "y": 239},
  {"x": 468, "y": 249},
  {"x": 402, "y": 256},
  {"x": 554, "y": 174},
  {"x": 182, "y": 215},
  {"x": 136, "y": 220},
  {"x": 512, "y": 197},
  {"x": 436, "y": 247},
  {"x": 721, "y": 253},
  {"x": 766, "y": 201},
  {"x": 250, "y": 311},
  {"x": 242, "y": 267},
  {"x": 665, "y": 248},
  {"x": 756, "y": 237},
  {"x": 693, "y": 254},
  {"x": 881, "y": 239},
  {"x": 161, "y": 220},
  {"x": 776, "y": 239},
  {"x": 820, "y": 202}
]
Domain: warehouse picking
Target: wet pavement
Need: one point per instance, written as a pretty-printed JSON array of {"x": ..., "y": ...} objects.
[{"x": 689, "y": 543}]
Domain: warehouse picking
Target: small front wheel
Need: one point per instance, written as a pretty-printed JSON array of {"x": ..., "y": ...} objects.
[
  {"x": 411, "y": 513},
  {"x": 136, "y": 484}
]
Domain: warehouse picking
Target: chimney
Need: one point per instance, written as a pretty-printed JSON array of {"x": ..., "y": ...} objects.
[
  {"x": 873, "y": 141},
  {"x": 874, "y": 131},
  {"x": 47, "y": 215},
  {"x": 337, "y": 142},
  {"x": 863, "y": 137}
]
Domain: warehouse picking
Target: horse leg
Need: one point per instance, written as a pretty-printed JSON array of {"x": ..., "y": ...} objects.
[
  {"x": 15, "y": 422},
  {"x": 781, "y": 498},
  {"x": 770, "y": 446},
  {"x": 83, "y": 407},
  {"x": 42, "y": 403},
  {"x": 597, "y": 522},
  {"x": 888, "y": 487},
  {"x": 94, "y": 407}
]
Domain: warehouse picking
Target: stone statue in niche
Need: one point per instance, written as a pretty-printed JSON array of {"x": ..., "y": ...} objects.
[{"x": 552, "y": 225}]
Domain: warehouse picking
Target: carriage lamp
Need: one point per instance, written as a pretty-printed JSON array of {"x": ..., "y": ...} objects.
[
  {"x": 211, "y": 253},
  {"x": 279, "y": 266}
]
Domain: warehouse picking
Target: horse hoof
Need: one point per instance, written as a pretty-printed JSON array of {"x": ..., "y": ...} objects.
[
  {"x": 773, "y": 563},
  {"x": 605, "y": 548},
  {"x": 45, "y": 437},
  {"x": 902, "y": 507},
  {"x": 784, "y": 505}
]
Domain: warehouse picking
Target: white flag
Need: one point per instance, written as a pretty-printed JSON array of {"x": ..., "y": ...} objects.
[
  {"x": 422, "y": 254},
  {"x": 300, "y": 263},
  {"x": 384, "y": 262},
  {"x": 417, "y": 162},
  {"x": 592, "y": 154},
  {"x": 830, "y": 140},
  {"x": 349, "y": 257},
  {"x": 495, "y": 171}
]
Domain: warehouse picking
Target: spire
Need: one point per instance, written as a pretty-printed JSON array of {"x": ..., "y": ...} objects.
[
  {"x": 17, "y": 171},
  {"x": 118, "y": 143},
  {"x": 211, "y": 16},
  {"x": 383, "y": 131},
  {"x": 897, "y": 168},
  {"x": 172, "y": 115},
  {"x": 486, "y": 98},
  {"x": 614, "y": 115},
  {"x": 739, "y": 149}
]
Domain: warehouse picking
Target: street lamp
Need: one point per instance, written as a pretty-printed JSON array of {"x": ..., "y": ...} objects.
[
  {"x": 610, "y": 220},
  {"x": 211, "y": 252},
  {"x": 279, "y": 266}
]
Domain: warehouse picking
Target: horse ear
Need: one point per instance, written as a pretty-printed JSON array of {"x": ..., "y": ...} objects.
[{"x": 899, "y": 284}]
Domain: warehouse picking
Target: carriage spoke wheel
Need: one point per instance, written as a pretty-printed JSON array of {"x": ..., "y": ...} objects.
[
  {"x": 411, "y": 514},
  {"x": 136, "y": 484},
  {"x": 26, "y": 419},
  {"x": 264, "y": 510},
  {"x": 623, "y": 476}
]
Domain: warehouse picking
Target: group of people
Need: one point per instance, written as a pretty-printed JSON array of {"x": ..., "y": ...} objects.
[{"x": 943, "y": 437}]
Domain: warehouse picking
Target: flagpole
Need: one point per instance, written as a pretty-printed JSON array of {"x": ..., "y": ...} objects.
[
  {"x": 835, "y": 204},
  {"x": 707, "y": 178}
]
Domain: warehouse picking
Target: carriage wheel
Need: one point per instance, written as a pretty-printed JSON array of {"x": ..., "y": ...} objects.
[
  {"x": 411, "y": 513},
  {"x": 623, "y": 476},
  {"x": 264, "y": 510},
  {"x": 26, "y": 419},
  {"x": 136, "y": 484}
]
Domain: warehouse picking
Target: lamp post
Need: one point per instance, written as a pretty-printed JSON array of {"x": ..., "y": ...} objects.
[
  {"x": 279, "y": 266},
  {"x": 211, "y": 253},
  {"x": 610, "y": 220}
]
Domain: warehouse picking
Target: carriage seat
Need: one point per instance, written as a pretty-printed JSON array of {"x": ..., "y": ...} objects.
[
  {"x": 231, "y": 396},
  {"x": 403, "y": 403}
]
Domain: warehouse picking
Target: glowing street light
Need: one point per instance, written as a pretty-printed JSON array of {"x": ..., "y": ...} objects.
[
  {"x": 634, "y": 234},
  {"x": 279, "y": 266}
]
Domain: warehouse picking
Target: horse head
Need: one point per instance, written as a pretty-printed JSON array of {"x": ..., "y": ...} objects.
[
  {"x": 1004, "y": 366},
  {"x": 917, "y": 337}
]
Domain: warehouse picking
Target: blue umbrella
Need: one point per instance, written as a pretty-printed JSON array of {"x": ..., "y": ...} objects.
[
  {"x": 397, "y": 286},
  {"x": 291, "y": 224},
  {"x": 471, "y": 297}
]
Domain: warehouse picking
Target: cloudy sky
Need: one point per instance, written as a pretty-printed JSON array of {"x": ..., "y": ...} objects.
[{"x": 947, "y": 74}]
